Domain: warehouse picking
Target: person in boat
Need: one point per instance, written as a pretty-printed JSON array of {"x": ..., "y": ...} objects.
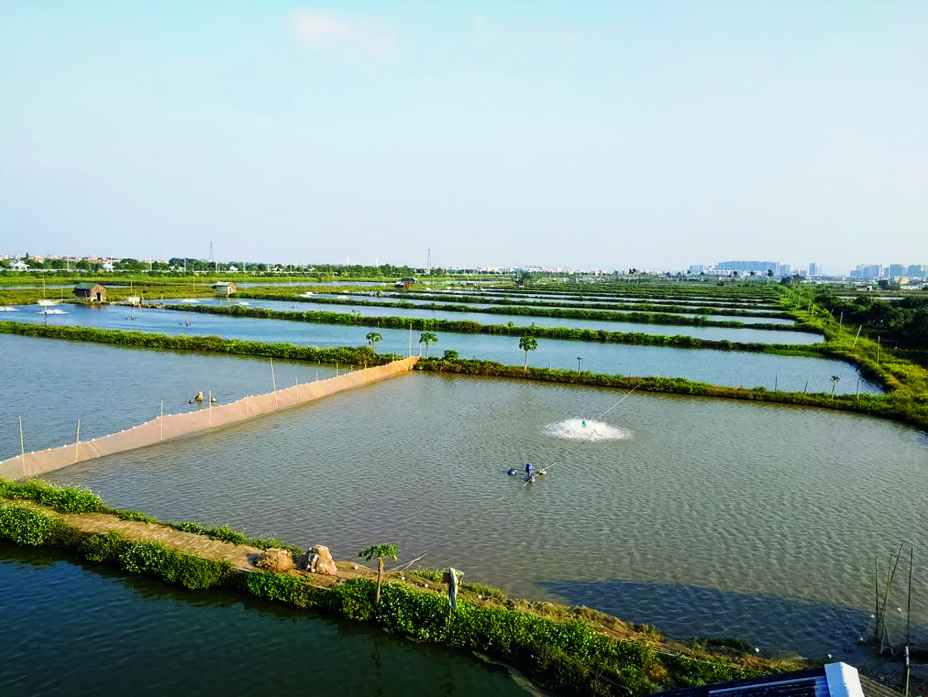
[
  {"x": 528, "y": 470},
  {"x": 511, "y": 471}
]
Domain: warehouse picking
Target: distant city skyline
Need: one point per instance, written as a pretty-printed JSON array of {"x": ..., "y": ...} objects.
[
  {"x": 584, "y": 135},
  {"x": 760, "y": 268}
]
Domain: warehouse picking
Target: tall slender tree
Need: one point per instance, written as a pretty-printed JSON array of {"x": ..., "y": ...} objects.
[
  {"x": 527, "y": 343},
  {"x": 380, "y": 552},
  {"x": 428, "y": 338}
]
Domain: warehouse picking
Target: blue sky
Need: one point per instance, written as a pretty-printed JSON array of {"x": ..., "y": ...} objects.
[{"x": 651, "y": 134}]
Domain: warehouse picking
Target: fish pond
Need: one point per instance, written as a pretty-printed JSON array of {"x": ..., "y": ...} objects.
[{"x": 699, "y": 516}]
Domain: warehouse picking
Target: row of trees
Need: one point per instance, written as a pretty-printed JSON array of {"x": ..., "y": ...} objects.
[
  {"x": 526, "y": 343},
  {"x": 426, "y": 338}
]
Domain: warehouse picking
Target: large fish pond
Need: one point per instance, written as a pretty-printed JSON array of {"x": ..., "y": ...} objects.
[{"x": 700, "y": 516}]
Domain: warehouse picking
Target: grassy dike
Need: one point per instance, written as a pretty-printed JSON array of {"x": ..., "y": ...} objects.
[
  {"x": 897, "y": 406},
  {"x": 344, "y": 355},
  {"x": 568, "y": 650}
]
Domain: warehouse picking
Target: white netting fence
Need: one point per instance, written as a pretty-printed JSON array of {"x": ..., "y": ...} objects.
[{"x": 176, "y": 425}]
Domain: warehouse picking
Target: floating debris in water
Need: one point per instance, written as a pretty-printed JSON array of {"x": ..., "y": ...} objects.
[{"x": 579, "y": 429}]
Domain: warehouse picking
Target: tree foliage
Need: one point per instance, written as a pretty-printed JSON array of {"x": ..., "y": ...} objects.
[{"x": 379, "y": 552}]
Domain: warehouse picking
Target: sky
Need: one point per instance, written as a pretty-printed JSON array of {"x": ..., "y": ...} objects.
[{"x": 582, "y": 134}]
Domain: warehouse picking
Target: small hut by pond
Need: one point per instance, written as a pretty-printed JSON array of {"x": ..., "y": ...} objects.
[
  {"x": 93, "y": 292},
  {"x": 224, "y": 288}
]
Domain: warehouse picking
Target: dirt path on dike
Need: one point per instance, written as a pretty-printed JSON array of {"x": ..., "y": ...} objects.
[{"x": 242, "y": 557}]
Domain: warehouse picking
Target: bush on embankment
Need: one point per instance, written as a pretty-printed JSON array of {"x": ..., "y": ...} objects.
[
  {"x": 898, "y": 406},
  {"x": 566, "y": 655}
]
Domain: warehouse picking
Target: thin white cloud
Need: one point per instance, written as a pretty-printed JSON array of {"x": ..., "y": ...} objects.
[{"x": 324, "y": 32}]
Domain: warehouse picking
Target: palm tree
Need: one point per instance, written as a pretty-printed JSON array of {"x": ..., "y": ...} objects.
[
  {"x": 835, "y": 379},
  {"x": 527, "y": 343},
  {"x": 372, "y": 339},
  {"x": 380, "y": 552},
  {"x": 428, "y": 338}
]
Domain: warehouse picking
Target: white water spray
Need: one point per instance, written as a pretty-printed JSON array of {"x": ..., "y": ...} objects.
[{"x": 580, "y": 430}]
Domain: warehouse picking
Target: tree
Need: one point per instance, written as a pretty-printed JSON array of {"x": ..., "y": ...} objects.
[
  {"x": 372, "y": 339},
  {"x": 835, "y": 379},
  {"x": 380, "y": 552},
  {"x": 428, "y": 338},
  {"x": 527, "y": 343}
]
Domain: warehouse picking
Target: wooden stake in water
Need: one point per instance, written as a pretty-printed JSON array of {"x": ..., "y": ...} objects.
[
  {"x": 77, "y": 443},
  {"x": 22, "y": 446},
  {"x": 274, "y": 384},
  {"x": 161, "y": 422}
]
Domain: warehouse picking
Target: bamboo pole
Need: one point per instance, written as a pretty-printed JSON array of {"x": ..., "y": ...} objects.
[
  {"x": 22, "y": 444},
  {"x": 908, "y": 612},
  {"x": 77, "y": 443}
]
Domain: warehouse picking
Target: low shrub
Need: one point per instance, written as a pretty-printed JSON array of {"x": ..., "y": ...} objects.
[
  {"x": 136, "y": 516},
  {"x": 67, "y": 499},
  {"x": 173, "y": 565},
  {"x": 105, "y": 548},
  {"x": 29, "y": 528}
]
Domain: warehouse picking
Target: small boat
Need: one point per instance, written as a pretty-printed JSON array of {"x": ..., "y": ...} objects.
[
  {"x": 53, "y": 311},
  {"x": 242, "y": 304},
  {"x": 7, "y": 308},
  {"x": 47, "y": 303}
]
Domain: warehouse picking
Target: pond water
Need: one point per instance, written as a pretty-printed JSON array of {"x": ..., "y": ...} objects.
[
  {"x": 700, "y": 516},
  {"x": 729, "y": 368},
  {"x": 357, "y": 305},
  {"x": 75, "y": 628}
]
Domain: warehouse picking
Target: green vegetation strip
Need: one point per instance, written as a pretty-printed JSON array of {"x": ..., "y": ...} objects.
[
  {"x": 362, "y": 355},
  {"x": 563, "y": 653},
  {"x": 899, "y": 405}
]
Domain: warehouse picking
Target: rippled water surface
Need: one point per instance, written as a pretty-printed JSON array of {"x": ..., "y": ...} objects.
[{"x": 761, "y": 521}]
